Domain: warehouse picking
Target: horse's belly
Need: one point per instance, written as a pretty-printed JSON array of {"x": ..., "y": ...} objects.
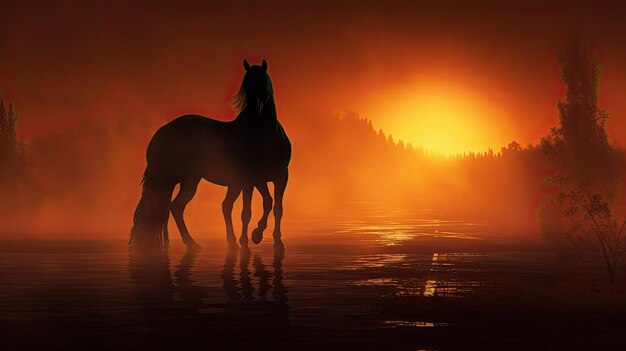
[{"x": 221, "y": 170}]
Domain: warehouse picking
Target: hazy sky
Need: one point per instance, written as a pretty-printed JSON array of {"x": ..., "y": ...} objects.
[{"x": 435, "y": 73}]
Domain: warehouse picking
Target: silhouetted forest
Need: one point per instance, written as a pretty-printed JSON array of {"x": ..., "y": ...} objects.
[{"x": 354, "y": 162}]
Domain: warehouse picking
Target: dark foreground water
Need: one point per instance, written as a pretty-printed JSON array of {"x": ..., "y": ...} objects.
[{"x": 327, "y": 290}]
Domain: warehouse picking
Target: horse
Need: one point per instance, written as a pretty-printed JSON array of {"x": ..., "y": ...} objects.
[{"x": 241, "y": 154}]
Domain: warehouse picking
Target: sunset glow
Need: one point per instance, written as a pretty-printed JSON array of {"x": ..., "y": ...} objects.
[
  {"x": 312, "y": 175},
  {"x": 440, "y": 117}
]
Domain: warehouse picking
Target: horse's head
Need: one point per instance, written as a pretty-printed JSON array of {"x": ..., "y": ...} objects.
[{"x": 256, "y": 90}]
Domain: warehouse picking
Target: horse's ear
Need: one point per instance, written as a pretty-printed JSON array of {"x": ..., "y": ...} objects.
[
  {"x": 264, "y": 65},
  {"x": 246, "y": 65}
]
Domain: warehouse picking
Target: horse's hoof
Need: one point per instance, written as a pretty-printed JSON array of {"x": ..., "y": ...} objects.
[
  {"x": 257, "y": 235},
  {"x": 279, "y": 253},
  {"x": 279, "y": 245},
  {"x": 243, "y": 241},
  {"x": 193, "y": 246},
  {"x": 245, "y": 249}
]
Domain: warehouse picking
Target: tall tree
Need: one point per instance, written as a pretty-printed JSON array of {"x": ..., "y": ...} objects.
[
  {"x": 588, "y": 167},
  {"x": 10, "y": 146}
]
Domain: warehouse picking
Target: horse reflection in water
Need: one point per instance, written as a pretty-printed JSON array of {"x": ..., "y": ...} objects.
[
  {"x": 173, "y": 303},
  {"x": 150, "y": 273},
  {"x": 241, "y": 293},
  {"x": 189, "y": 293}
]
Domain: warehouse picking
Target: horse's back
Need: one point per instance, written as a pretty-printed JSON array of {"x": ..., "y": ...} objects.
[
  {"x": 190, "y": 127},
  {"x": 221, "y": 152},
  {"x": 186, "y": 141},
  {"x": 194, "y": 124}
]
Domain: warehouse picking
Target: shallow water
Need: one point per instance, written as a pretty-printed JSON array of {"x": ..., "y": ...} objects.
[{"x": 318, "y": 293}]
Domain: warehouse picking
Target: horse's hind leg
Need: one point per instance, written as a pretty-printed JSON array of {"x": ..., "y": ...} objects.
[
  {"x": 227, "y": 208},
  {"x": 257, "y": 234},
  {"x": 177, "y": 207},
  {"x": 280, "y": 184},
  {"x": 246, "y": 215}
]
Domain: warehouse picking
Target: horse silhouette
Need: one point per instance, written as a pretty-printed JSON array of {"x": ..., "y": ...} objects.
[{"x": 242, "y": 154}]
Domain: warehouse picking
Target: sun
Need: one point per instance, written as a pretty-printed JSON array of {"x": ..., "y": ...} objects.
[{"x": 439, "y": 117}]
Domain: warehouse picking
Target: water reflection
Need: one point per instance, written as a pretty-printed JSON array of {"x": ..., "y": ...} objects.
[
  {"x": 154, "y": 289},
  {"x": 441, "y": 275},
  {"x": 375, "y": 261},
  {"x": 250, "y": 286},
  {"x": 246, "y": 283},
  {"x": 418, "y": 324},
  {"x": 189, "y": 293},
  {"x": 263, "y": 275},
  {"x": 228, "y": 278},
  {"x": 241, "y": 293},
  {"x": 280, "y": 291},
  {"x": 215, "y": 299},
  {"x": 394, "y": 231},
  {"x": 447, "y": 264}
]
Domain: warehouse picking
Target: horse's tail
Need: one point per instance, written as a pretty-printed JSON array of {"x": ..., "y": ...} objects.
[{"x": 150, "y": 220}]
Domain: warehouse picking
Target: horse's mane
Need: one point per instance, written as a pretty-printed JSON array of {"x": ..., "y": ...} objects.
[{"x": 242, "y": 99}]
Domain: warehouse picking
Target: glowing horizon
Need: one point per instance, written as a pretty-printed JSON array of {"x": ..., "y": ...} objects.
[{"x": 441, "y": 117}]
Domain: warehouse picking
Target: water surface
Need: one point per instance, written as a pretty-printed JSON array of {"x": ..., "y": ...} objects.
[{"x": 319, "y": 293}]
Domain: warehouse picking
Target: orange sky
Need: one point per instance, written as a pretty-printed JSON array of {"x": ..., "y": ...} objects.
[{"x": 450, "y": 76}]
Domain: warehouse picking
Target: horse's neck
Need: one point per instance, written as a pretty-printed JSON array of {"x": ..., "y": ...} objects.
[
  {"x": 268, "y": 113},
  {"x": 266, "y": 121}
]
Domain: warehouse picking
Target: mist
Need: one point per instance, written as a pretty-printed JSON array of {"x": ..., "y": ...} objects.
[{"x": 85, "y": 180}]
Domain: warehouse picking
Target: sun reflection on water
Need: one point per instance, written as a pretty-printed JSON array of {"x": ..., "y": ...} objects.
[
  {"x": 418, "y": 324},
  {"x": 375, "y": 261},
  {"x": 390, "y": 232},
  {"x": 443, "y": 275}
]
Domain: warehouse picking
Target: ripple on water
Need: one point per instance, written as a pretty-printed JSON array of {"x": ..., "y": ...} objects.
[
  {"x": 310, "y": 286},
  {"x": 414, "y": 324},
  {"x": 396, "y": 232}
]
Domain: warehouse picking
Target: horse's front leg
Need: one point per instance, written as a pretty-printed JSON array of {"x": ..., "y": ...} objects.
[
  {"x": 246, "y": 214},
  {"x": 257, "y": 233},
  {"x": 280, "y": 184}
]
